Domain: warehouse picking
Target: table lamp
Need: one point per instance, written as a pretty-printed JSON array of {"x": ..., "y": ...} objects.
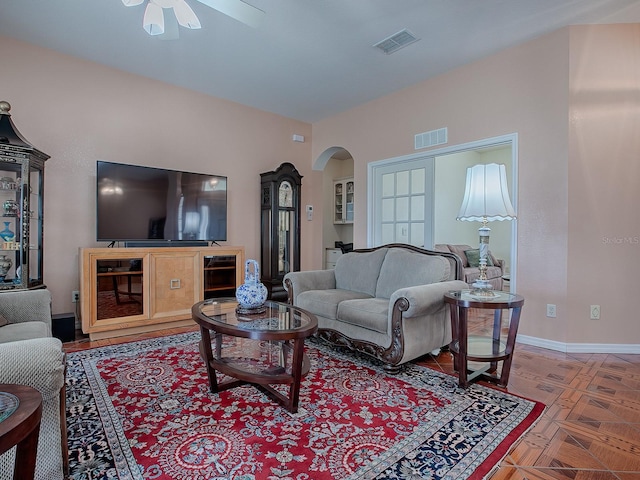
[{"x": 486, "y": 198}]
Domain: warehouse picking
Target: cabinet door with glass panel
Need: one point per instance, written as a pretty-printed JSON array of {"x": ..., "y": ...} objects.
[
  {"x": 343, "y": 196},
  {"x": 21, "y": 189}
]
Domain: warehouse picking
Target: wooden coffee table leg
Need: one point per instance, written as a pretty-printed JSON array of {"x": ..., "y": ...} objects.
[
  {"x": 207, "y": 356},
  {"x": 296, "y": 372}
]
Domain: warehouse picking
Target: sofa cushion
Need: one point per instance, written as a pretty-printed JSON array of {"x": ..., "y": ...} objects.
[
  {"x": 3, "y": 321},
  {"x": 358, "y": 271},
  {"x": 325, "y": 302},
  {"x": 459, "y": 250},
  {"x": 403, "y": 268},
  {"x": 23, "y": 331},
  {"x": 371, "y": 313},
  {"x": 473, "y": 258}
]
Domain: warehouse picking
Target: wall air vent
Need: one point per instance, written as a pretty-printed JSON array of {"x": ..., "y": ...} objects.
[
  {"x": 429, "y": 139},
  {"x": 396, "y": 41}
]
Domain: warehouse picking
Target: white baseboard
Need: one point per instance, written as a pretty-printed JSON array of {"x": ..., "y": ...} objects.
[{"x": 578, "y": 347}]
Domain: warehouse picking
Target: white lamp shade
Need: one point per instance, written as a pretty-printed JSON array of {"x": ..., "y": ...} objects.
[
  {"x": 153, "y": 21},
  {"x": 486, "y": 195}
]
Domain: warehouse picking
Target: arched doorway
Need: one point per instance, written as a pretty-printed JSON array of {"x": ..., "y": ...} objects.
[{"x": 338, "y": 189}]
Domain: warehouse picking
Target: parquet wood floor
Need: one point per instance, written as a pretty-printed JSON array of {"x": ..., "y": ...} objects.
[{"x": 590, "y": 430}]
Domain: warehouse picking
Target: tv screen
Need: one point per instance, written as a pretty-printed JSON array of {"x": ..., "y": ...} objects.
[{"x": 137, "y": 203}]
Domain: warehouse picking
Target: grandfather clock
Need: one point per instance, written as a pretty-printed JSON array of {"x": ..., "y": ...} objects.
[{"x": 280, "y": 226}]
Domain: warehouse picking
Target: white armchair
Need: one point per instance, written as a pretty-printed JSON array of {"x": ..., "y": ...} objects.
[{"x": 29, "y": 355}]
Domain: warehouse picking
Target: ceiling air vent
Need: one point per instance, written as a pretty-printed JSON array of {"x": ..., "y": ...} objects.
[
  {"x": 429, "y": 139},
  {"x": 396, "y": 41}
]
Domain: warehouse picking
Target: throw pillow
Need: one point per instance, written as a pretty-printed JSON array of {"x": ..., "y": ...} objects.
[
  {"x": 473, "y": 257},
  {"x": 3, "y": 321}
]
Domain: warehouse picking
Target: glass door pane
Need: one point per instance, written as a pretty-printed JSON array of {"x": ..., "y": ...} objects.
[{"x": 119, "y": 288}]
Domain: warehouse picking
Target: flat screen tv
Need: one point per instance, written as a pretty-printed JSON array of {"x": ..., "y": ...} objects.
[{"x": 146, "y": 204}]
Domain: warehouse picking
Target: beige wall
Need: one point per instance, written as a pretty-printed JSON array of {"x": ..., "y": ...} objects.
[
  {"x": 573, "y": 98},
  {"x": 526, "y": 90},
  {"x": 79, "y": 112},
  {"x": 604, "y": 180}
]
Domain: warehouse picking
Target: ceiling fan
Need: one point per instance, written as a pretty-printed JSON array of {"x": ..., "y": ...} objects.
[{"x": 154, "y": 16}]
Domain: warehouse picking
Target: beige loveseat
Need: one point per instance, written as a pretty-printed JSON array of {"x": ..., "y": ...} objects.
[
  {"x": 29, "y": 355},
  {"x": 495, "y": 269},
  {"x": 386, "y": 301}
]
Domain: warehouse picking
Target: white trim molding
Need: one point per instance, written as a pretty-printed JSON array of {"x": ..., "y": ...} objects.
[{"x": 578, "y": 347}]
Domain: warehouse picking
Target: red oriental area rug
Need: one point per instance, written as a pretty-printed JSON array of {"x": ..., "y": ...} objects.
[{"x": 143, "y": 410}]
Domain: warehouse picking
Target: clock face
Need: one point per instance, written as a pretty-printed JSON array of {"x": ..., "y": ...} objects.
[{"x": 285, "y": 195}]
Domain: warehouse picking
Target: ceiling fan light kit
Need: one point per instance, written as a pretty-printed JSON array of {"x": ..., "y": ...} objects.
[{"x": 153, "y": 20}]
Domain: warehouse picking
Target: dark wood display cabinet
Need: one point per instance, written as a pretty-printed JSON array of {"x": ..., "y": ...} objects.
[
  {"x": 21, "y": 208},
  {"x": 280, "y": 227}
]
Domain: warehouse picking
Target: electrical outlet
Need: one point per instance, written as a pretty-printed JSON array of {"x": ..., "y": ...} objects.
[
  {"x": 75, "y": 296},
  {"x": 551, "y": 310},
  {"x": 595, "y": 312}
]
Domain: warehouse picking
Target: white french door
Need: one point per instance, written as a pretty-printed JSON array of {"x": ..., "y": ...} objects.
[{"x": 402, "y": 201}]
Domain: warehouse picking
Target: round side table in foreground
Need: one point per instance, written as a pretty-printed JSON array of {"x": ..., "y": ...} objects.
[{"x": 20, "y": 414}]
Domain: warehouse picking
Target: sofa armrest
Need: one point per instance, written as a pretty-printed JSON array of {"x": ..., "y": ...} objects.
[
  {"x": 426, "y": 299},
  {"x": 297, "y": 282},
  {"x": 38, "y": 363},
  {"x": 26, "y": 306}
]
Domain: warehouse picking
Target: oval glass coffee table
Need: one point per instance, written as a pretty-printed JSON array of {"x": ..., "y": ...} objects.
[{"x": 263, "y": 350}]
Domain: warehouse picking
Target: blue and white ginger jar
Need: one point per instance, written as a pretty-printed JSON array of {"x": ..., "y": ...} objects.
[{"x": 252, "y": 293}]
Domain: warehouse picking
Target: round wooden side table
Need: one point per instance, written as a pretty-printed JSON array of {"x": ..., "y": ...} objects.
[
  {"x": 478, "y": 348},
  {"x": 20, "y": 415}
]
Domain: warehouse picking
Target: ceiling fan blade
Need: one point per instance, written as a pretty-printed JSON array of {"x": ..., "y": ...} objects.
[
  {"x": 132, "y": 3},
  {"x": 238, "y": 10},
  {"x": 186, "y": 17},
  {"x": 171, "y": 29}
]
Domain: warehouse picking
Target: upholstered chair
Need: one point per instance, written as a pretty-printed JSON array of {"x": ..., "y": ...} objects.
[{"x": 29, "y": 355}]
